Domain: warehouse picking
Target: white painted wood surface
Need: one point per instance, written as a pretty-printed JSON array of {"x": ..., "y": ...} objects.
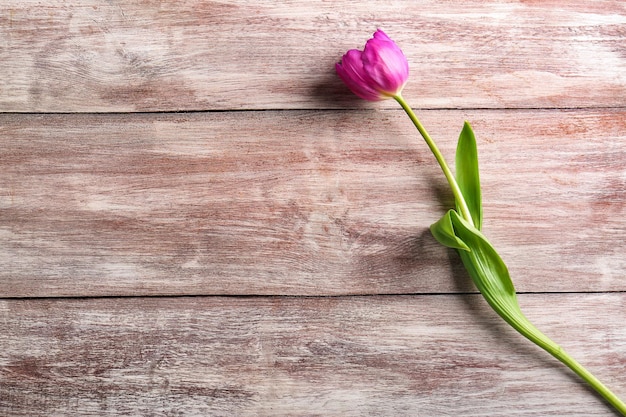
[
  {"x": 302, "y": 203},
  {"x": 156, "y": 149},
  {"x": 97, "y": 56},
  {"x": 423, "y": 355}
]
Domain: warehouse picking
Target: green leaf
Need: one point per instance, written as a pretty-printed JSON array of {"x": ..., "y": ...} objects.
[
  {"x": 488, "y": 271},
  {"x": 467, "y": 174},
  {"x": 491, "y": 276},
  {"x": 443, "y": 231}
]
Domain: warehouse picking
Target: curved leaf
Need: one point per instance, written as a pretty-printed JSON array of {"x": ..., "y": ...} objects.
[
  {"x": 488, "y": 271},
  {"x": 443, "y": 232},
  {"x": 467, "y": 173}
]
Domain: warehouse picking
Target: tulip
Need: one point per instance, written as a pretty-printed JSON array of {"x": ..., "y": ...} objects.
[{"x": 378, "y": 72}]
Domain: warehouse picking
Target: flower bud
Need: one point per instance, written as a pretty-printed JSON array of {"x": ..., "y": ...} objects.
[{"x": 378, "y": 72}]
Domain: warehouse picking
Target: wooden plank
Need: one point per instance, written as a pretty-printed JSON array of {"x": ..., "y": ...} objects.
[
  {"x": 301, "y": 203},
  {"x": 353, "y": 356},
  {"x": 93, "y": 56}
]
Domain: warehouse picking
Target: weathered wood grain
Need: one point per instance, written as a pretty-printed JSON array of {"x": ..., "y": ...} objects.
[
  {"x": 353, "y": 356},
  {"x": 301, "y": 203},
  {"x": 96, "y": 56},
  {"x": 297, "y": 200}
]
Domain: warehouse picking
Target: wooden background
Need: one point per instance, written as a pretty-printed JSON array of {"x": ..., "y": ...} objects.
[{"x": 198, "y": 219}]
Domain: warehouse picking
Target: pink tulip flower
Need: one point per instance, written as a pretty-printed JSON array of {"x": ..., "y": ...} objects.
[{"x": 378, "y": 72}]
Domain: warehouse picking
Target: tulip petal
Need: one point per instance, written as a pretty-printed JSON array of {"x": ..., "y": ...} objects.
[
  {"x": 379, "y": 34},
  {"x": 351, "y": 71},
  {"x": 385, "y": 64}
]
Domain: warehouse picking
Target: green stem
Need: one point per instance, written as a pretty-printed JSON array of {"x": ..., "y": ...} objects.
[
  {"x": 465, "y": 213},
  {"x": 509, "y": 310},
  {"x": 527, "y": 329}
]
